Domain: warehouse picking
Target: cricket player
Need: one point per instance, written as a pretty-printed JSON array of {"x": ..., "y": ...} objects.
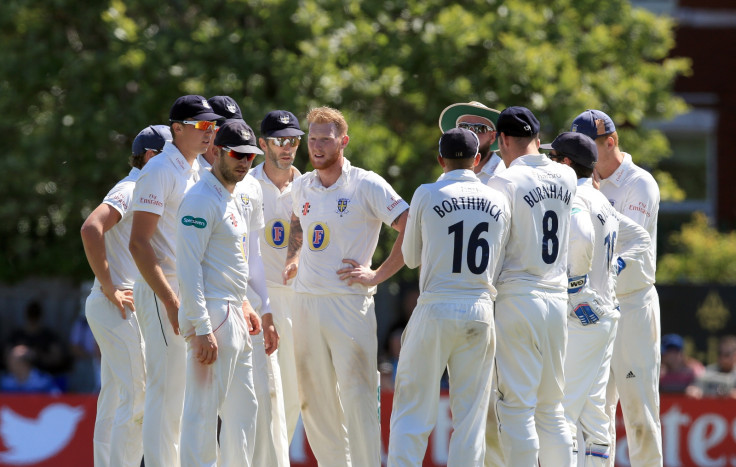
[
  {"x": 110, "y": 312},
  {"x": 271, "y": 446},
  {"x": 600, "y": 240},
  {"x": 457, "y": 230},
  {"x": 341, "y": 207},
  {"x": 531, "y": 307},
  {"x": 229, "y": 110},
  {"x": 158, "y": 193},
  {"x": 635, "y": 363},
  {"x": 481, "y": 120},
  {"x": 280, "y": 139},
  {"x": 214, "y": 237}
]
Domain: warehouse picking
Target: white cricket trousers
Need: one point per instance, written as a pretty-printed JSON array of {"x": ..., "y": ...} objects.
[
  {"x": 224, "y": 388},
  {"x": 117, "y": 437},
  {"x": 531, "y": 330},
  {"x": 282, "y": 304},
  {"x": 271, "y": 444},
  {"x": 335, "y": 345},
  {"x": 635, "y": 377},
  {"x": 587, "y": 366},
  {"x": 165, "y": 371},
  {"x": 459, "y": 336},
  {"x": 494, "y": 452}
]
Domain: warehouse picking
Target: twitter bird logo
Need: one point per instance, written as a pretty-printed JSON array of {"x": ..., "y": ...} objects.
[{"x": 30, "y": 441}]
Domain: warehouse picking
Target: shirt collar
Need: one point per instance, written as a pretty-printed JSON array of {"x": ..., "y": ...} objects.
[
  {"x": 532, "y": 160},
  {"x": 460, "y": 175},
  {"x": 177, "y": 159},
  {"x": 220, "y": 191},
  {"x": 134, "y": 171},
  {"x": 315, "y": 182},
  {"x": 259, "y": 174},
  {"x": 585, "y": 181},
  {"x": 617, "y": 177}
]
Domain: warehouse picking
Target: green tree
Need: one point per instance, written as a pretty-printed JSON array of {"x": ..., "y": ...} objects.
[
  {"x": 79, "y": 80},
  {"x": 701, "y": 255}
]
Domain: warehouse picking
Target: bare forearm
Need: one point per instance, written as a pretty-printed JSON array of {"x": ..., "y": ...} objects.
[
  {"x": 150, "y": 269},
  {"x": 93, "y": 240},
  {"x": 296, "y": 238},
  {"x": 393, "y": 263}
]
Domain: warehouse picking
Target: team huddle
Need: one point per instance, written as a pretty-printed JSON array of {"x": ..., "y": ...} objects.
[{"x": 223, "y": 290}]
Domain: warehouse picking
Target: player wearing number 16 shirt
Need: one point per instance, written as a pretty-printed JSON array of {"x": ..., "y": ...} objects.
[
  {"x": 531, "y": 307},
  {"x": 456, "y": 230}
]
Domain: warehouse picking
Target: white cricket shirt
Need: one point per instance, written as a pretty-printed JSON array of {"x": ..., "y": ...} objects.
[
  {"x": 277, "y": 209},
  {"x": 634, "y": 193},
  {"x": 492, "y": 167},
  {"x": 540, "y": 194},
  {"x": 123, "y": 270},
  {"x": 211, "y": 249},
  {"x": 457, "y": 231},
  {"x": 203, "y": 164},
  {"x": 159, "y": 190},
  {"x": 340, "y": 221}
]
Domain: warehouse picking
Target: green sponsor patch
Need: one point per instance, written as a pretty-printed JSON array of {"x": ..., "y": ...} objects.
[
  {"x": 197, "y": 222},
  {"x": 575, "y": 210}
]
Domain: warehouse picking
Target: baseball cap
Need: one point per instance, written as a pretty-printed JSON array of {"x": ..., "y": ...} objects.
[
  {"x": 280, "y": 123},
  {"x": 517, "y": 121},
  {"x": 151, "y": 137},
  {"x": 225, "y": 106},
  {"x": 672, "y": 341},
  {"x": 458, "y": 143},
  {"x": 192, "y": 107},
  {"x": 576, "y": 146},
  {"x": 238, "y": 136},
  {"x": 593, "y": 123}
]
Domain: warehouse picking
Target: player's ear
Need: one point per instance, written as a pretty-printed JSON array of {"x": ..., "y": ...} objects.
[
  {"x": 262, "y": 143},
  {"x": 441, "y": 161},
  {"x": 345, "y": 141},
  {"x": 476, "y": 161}
]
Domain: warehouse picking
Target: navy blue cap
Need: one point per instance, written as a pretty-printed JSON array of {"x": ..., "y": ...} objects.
[
  {"x": 151, "y": 137},
  {"x": 225, "y": 106},
  {"x": 192, "y": 107},
  {"x": 280, "y": 123},
  {"x": 576, "y": 146},
  {"x": 238, "y": 136},
  {"x": 458, "y": 143},
  {"x": 593, "y": 123},
  {"x": 672, "y": 341},
  {"x": 517, "y": 121}
]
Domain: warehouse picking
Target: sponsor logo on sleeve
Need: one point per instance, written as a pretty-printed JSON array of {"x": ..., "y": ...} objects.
[
  {"x": 151, "y": 199},
  {"x": 319, "y": 236},
  {"x": 394, "y": 202},
  {"x": 197, "y": 222}
]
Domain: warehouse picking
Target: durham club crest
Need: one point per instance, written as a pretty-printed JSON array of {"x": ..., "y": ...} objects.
[{"x": 342, "y": 206}]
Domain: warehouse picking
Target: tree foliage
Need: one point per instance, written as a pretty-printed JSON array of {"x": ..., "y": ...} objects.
[
  {"x": 701, "y": 255},
  {"x": 80, "y": 79}
]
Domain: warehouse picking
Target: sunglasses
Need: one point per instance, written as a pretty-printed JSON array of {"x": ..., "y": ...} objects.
[
  {"x": 477, "y": 128},
  {"x": 203, "y": 125},
  {"x": 239, "y": 155},
  {"x": 282, "y": 141}
]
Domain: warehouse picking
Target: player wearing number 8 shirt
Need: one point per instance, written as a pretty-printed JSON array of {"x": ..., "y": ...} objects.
[
  {"x": 531, "y": 307},
  {"x": 456, "y": 230}
]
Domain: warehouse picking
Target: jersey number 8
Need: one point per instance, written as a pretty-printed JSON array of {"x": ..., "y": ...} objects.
[{"x": 550, "y": 242}]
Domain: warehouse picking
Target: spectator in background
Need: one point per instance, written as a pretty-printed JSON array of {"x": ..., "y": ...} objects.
[
  {"x": 47, "y": 350},
  {"x": 678, "y": 371},
  {"x": 719, "y": 379},
  {"x": 85, "y": 376},
  {"x": 22, "y": 377}
]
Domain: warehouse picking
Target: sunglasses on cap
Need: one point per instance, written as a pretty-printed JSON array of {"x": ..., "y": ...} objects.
[
  {"x": 249, "y": 156},
  {"x": 477, "y": 128},
  {"x": 282, "y": 141},
  {"x": 203, "y": 125}
]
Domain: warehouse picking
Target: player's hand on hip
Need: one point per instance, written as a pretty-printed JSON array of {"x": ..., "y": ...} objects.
[
  {"x": 289, "y": 272},
  {"x": 172, "y": 311},
  {"x": 252, "y": 320},
  {"x": 121, "y": 299},
  {"x": 357, "y": 273},
  {"x": 204, "y": 348},
  {"x": 270, "y": 336}
]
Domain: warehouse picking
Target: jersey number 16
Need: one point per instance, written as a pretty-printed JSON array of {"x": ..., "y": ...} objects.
[{"x": 474, "y": 243}]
